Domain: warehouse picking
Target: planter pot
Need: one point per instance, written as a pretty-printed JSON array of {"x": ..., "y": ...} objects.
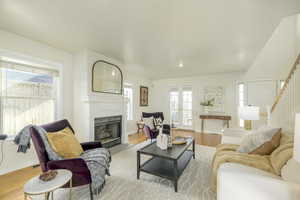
[{"x": 206, "y": 109}]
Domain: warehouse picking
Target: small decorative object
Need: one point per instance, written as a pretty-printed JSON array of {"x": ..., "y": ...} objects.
[
  {"x": 162, "y": 141},
  {"x": 160, "y": 131},
  {"x": 207, "y": 104},
  {"x": 216, "y": 93},
  {"x": 3, "y": 137},
  {"x": 48, "y": 176},
  {"x": 143, "y": 96},
  {"x": 179, "y": 140},
  {"x": 169, "y": 141}
]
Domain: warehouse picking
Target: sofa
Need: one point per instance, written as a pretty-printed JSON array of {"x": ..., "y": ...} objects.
[
  {"x": 236, "y": 181},
  {"x": 240, "y": 182}
]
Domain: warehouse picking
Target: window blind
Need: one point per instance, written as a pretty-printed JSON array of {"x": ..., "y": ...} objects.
[
  {"x": 28, "y": 68},
  {"x": 28, "y": 96}
]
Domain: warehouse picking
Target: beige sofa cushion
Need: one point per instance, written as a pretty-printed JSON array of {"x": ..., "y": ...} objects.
[
  {"x": 280, "y": 156},
  {"x": 285, "y": 138}
]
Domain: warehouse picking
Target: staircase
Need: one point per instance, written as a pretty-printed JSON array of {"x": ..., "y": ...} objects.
[{"x": 286, "y": 83}]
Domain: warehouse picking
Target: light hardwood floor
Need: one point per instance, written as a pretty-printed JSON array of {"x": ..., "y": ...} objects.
[
  {"x": 11, "y": 184},
  {"x": 200, "y": 138}
]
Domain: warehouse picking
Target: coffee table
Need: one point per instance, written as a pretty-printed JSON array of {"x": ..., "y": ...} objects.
[{"x": 169, "y": 163}]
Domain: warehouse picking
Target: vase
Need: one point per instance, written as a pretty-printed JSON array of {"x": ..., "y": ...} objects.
[
  {"x": 162, "y": 141},
  {"x": 206, "y": 109}
]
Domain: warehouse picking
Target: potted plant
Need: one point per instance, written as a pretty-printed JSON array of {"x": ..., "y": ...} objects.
[{"x": 207, "y": 104}]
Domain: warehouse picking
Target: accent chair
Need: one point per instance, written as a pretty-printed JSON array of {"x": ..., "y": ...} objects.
[
  {"x": 78, "y": 167},
  {"x": 153, "y": 133}
]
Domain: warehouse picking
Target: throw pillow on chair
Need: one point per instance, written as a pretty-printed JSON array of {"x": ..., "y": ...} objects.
[{"x": 64, "y": 143}]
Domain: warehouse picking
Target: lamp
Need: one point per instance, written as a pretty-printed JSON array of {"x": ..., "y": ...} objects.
[{"x": 249, "y": 113}]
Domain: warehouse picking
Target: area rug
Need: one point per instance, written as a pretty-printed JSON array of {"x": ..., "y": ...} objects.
[{"x": 194, "y": 183}]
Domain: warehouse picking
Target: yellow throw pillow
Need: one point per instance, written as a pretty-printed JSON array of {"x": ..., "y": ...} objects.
[{"x": 64, "y": 143}]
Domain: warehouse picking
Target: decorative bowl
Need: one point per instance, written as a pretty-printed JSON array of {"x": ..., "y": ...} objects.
[{"x": 48, "y": 176}]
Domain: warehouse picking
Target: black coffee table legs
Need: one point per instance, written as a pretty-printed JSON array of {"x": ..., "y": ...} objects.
[
  {"x": 138, "y": 165},
  {"x": 176, "y": 175},
  {"x": 193, "y": 149}
]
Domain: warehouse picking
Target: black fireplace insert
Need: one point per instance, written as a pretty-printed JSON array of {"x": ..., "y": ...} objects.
[{"x": 108, "y": 130}]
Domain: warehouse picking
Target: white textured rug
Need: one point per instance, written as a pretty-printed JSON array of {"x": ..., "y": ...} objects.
[{"x": 123, "y": 185}]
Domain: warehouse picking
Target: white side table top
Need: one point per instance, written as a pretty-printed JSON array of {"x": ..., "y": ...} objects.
[{"x": 36, "y": 186}]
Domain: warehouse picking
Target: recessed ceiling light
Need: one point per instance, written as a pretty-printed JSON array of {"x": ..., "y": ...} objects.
[{"x": 180, "y": 64}]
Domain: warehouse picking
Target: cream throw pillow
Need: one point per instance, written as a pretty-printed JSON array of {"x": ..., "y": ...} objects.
[
  {"x": 149, "y": 122},
  {"x": 64, "y": 143},
  {"x": 261, "y": 142}
]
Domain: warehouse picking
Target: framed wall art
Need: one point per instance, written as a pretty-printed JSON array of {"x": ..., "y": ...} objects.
[{"x": 143, "y": 96}]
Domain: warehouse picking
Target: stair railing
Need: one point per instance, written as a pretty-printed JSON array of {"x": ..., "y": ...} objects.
[{"x": 285, "y": 85}]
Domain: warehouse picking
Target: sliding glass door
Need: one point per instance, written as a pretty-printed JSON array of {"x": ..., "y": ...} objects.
[
  {"x": 187, "y": 105},
  {"x": 174, "y": 107}
]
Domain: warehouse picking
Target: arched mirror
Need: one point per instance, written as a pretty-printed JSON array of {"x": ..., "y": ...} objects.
[{"x": 107, "y": 78}]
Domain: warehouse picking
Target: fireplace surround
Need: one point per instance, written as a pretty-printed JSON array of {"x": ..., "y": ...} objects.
[{"x": 108, "y": 130}]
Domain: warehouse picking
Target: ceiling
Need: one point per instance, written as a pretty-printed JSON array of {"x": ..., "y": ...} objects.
[{"x": 207, "y": 36}]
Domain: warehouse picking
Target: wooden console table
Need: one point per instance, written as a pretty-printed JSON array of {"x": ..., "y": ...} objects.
[{"x": 225, "y": 118}]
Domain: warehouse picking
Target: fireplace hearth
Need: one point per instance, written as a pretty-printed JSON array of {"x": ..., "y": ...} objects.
[{"x": 108, "y": 130}]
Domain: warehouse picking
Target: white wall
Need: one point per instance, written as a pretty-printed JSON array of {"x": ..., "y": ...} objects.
[
  {"x": 12, "y": 45},
  {"x": 274, "y": 63},
  {"x": 297, "y": 81},
  {"x": 161, "y": 90},
  {"x": 277, "y": 56},
  {"x": 91, "y": 105},
  {"x": 137, "y": 80}
]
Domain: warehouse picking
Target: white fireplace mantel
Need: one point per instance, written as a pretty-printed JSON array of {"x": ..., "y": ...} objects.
[
  {"x": 90, "y": 105},
  {"x": 103, "y": 99}
]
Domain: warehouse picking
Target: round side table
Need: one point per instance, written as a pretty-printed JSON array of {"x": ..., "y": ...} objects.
[
  {"x": 140, "y": 126},
  {"x": 35, "y": 186}
]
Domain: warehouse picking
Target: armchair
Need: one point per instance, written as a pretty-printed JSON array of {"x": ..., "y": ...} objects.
[
  {"x": 152, "y": 134},
  {"x": 78, "y": 167}
]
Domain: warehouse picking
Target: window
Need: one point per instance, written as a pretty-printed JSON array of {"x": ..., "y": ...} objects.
[
  {"x": 282, "y": 84},
  {"x": 242, "y": 101},
  {"x": 187, "y": 112},
  {"x": 28, "y": 96},
  {"x": 181, "y": 107},
  {"x": 129, "y": 104},
  {"x": 174, "y": 107}
]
